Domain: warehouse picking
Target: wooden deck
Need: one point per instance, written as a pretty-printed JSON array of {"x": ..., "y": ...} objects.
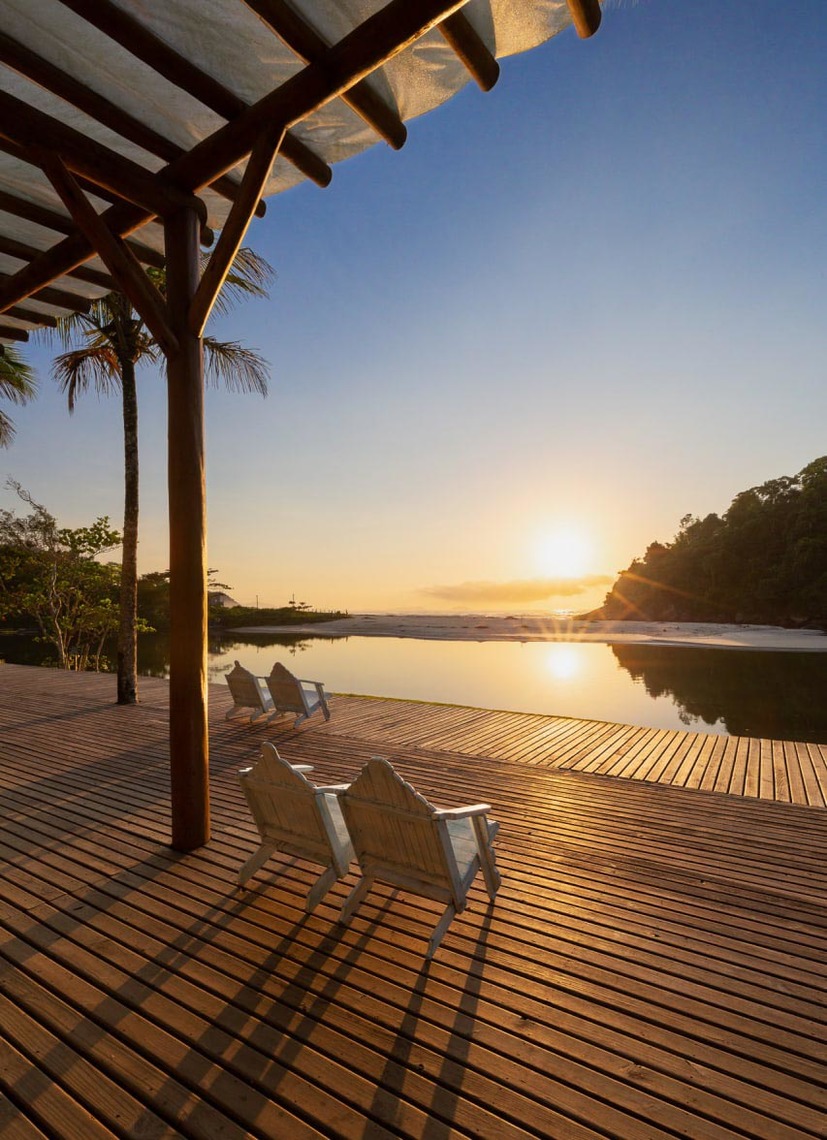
[{"x": 655, "y": 964}]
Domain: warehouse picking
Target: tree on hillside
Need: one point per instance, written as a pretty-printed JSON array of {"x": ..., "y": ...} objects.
[
  {"x": 765, "y": 560},
  {"x": 113, "y": 341},
  {"x": 50, "y": 575},
  {"x": 17, "y": 384}
]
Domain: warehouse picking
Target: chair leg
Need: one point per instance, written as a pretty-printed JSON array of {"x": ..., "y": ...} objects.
[
  {"x": 490, "y": 874},
  {"x": 439, "y": 930},
  {"x": 320, "y": 888},
  {"x": 353, "y": 899},
  {"x": 252, "y": 865}
]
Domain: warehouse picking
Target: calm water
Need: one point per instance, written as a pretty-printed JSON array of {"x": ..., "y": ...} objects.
[{"x": 744, "y": 692}]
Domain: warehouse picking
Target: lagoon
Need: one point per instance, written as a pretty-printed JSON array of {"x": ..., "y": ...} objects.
[{"x": 771, "y": 694}]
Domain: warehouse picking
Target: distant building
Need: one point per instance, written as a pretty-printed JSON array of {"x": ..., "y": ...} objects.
[{"x": 219, "y": 598}]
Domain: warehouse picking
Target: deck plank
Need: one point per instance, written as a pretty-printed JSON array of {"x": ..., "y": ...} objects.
[{"x": 654, "y": 965}]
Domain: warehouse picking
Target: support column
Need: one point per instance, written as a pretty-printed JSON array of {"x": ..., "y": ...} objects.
[{"x": 188, "y": 735}]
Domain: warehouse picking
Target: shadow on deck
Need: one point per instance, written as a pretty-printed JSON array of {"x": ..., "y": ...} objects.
[{"x": 654, "y": 965}]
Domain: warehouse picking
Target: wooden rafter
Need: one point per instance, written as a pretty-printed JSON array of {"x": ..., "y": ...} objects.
[
  {"x": 12, "y": 332},
  {"x": 301, "y": 38},
  {"x": 466, "y": 42},
  {"x": 127, "y": 272},
  {"x": 49, "y": 295},
  {"x": 585, "y": 15},
  {"x": 232, "y": 235},
  {"x": 62, "y": 224},
  {"x": 31, "y": 315},
  {"x": 178, "y": 70},
  {"x": 28, "y": 127},
  {"x": 66, "y": 87},
  {"x": 380, "y": 38},
  {"x": 377, "y": 40},
  {"x": 23, "y": 252}
]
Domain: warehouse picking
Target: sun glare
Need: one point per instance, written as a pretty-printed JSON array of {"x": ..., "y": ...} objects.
[
  {"x": 564, "y": 553},
  {"x": 563, "y": 661}
]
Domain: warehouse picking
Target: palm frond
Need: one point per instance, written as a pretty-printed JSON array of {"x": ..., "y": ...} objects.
[
  {"x": 6, "y": 430},
  {"x": 238, "y": 368},
  {"x": 250, "y": 276},
  {"x": 17, "y": 378},
  {"x": 95, "y": 366}
]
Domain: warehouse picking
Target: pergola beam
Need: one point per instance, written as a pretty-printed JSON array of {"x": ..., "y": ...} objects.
[
  {"x": 32, "y": 316},
  {"x": 122, "y": 219},
  {"x": 460, "y": 34},
  {"x": 49, "y": 295},
  {"x": 586, "y": 16},
  {"x": 380, "y": 38},
  {"x": 24, "y": 252},
  {"x": 28, "y": 127},
  {"x": 60, "y": 224},
  {"x": 255, "y": 178},
  {"x": 301, "y": 38},
  {"x": 66, "y": 87},
  {"x": 178, "y": 70},
  {"x": 127, "y": 272},
  {"x": 11, "y": 332}
]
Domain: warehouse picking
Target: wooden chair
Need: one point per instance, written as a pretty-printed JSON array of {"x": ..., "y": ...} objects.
[
  {"x": 291, "y": 694},
  {"x": 296, "y": 817},
  {"x": 401, "y": 839},
  {"x": 249, "y": 695}
]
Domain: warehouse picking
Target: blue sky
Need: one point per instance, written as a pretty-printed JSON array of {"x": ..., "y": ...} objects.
[{"x": 566, "y": 314}]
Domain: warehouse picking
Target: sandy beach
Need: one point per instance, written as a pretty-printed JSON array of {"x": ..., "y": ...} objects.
[{"x": 485, "y": 627}]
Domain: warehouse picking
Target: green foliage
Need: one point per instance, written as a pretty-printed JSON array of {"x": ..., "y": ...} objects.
[
  {"x": 239, "y": 616},
  {"x": 17, "y": 384},
  {"x": 764, "y": 561},
  {"x": 49, "y": 576}
]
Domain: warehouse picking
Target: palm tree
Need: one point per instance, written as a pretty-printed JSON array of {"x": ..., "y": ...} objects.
[
  {"x": 17, "y": 384},
  {"x": 115, "y": 341}
]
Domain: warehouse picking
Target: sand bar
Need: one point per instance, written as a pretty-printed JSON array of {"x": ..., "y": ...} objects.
[{"x": 485, "y": 627}]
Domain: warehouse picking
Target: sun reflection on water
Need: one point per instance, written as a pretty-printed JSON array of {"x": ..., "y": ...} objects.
[{"x": 564, "y": 661}]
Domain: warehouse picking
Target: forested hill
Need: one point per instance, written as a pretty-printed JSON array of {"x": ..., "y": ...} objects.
[{"x": 764, "y": 561}]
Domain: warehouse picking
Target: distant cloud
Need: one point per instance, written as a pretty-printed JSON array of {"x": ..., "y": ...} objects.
[{"x": 523, "y": 590}]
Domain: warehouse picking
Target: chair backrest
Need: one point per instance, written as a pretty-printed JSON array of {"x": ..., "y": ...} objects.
[
  {"x": 394, "y": 831},
  {"x": 286, "y": 806},
  {"x": 244, "y": 688},
  {"x": 285, "y": 690}
]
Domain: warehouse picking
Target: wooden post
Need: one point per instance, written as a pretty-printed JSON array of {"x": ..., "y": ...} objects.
[{"x": 188, "y": 734}]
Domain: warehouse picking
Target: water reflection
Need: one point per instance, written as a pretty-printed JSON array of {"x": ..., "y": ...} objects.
[
  {"x": 750, "y": 693},
  {"x": 768, "y": 694},
  {"x": 563, "y": 661}
]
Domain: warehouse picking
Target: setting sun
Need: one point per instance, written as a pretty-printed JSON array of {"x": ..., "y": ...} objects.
[{"x": 564, "y": 553}]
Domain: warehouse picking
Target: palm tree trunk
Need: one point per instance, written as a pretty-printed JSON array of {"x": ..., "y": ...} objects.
[{"x": 127, "y": 635}]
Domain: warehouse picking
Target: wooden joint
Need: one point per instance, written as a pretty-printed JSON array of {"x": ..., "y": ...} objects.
[{"x": 121, "y": 263}]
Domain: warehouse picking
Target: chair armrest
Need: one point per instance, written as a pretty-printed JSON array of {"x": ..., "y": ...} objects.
[
  {"x": 462, "y": 812},
  {"x": 295, "y": 767},
  {"x": 337, "y": 789}
]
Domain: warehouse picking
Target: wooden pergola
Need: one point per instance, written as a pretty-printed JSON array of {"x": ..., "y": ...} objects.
[{"x": 124, "y": 143}]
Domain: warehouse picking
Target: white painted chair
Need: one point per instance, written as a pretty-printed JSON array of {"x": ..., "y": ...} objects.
[
  {"x": 250, "y": 698},
  {"x": 291, "y": 694},
  {"x": 401, "y": 839},
  {"x": 296, "y": 817}
]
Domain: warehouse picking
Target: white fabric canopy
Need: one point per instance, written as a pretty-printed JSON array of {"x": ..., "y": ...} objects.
[{"x": 229, "y": 42}]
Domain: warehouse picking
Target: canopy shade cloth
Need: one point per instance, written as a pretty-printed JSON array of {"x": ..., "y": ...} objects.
[
  {"x": 130, "y": 129},
  {"x": 123, "y": 91}
]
